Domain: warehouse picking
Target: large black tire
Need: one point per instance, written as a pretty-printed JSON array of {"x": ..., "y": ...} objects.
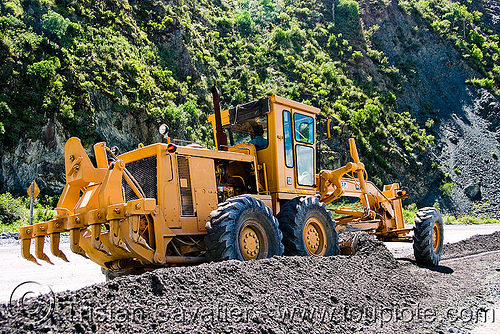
[
  {"x": 242, "y": 228},
  {"x": 308, "y": 228},
  {"x": 428, "y": 237}
]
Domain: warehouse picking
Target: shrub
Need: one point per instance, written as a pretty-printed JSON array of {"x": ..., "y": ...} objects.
[
  {"x": 447, "y": 188},
  {"x": 280, "y": 36},
  {"x": 44, "y": 69},
  {"x": 42, "y": 215},
  {"x": 483, "y": 83},
  {"x": 347, "y": 19},
  {"x": 14, "y": 8},
  {"x": 429, "y": 123},
  {"x": 54, "y": 25},
  {"x": 356, "y": 55},
  {"x": 244, "y": 22},
  {"x": 409, "y": 213},
  {"x": 12, "y": 210}
]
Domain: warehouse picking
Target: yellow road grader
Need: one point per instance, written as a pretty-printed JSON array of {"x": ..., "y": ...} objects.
[{"x": 256, "y": 196}]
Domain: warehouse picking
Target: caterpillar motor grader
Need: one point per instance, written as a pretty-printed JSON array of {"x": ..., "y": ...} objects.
[{"x": 256, "y": 196}]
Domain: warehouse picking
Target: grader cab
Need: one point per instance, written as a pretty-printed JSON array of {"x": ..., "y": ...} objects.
[{"x": 256, "y": 196}]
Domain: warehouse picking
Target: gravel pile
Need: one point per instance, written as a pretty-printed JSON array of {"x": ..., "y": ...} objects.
[
  {"x": 474, "y": 245},
  {"x": 369, "y": 292}
]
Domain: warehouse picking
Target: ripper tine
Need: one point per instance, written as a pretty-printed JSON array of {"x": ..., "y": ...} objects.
[
  {"x": 39, "y": 242},
  {"x": 54, "y": 228},
  {"x": 26, "y": 233},
  {"x": 96, "y": 239},
  {"x": 75, "y": 243},
  {"x": 25, "y": 251},
  {"x": 114, "y": 228},
  {"x": 134, "y": 233},
  {"x": 54, "y": 246}
]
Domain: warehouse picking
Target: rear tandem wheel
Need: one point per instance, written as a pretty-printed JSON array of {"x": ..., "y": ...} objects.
[{"x": 308, "y": 228}]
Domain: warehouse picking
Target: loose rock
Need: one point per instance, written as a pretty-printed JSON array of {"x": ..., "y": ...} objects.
[{"x": 338, "y": 294}]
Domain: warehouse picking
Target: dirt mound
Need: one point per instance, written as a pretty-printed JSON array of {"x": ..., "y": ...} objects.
[
  {"x": 476, "y": 244},
  {"x": 281, "y": 294},
  {"x": 369, "y": 292}
]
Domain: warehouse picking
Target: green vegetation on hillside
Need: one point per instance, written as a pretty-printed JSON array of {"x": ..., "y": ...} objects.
[
  {"x": 461, "y": 24},
  {"x": 60, "y": 60},
  {"x": 410, "y": 212}
]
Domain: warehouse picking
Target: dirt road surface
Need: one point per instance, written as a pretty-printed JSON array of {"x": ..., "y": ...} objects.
[
  {"x": 61, "y": 276},
  {"x": 452, "y": 233},
  {"x": 372, "y": 291}
]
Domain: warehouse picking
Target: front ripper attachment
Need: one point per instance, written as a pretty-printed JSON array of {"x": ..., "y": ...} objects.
[
  {"x": 102, "y": 225},
  {"x": 38, "y": 232},
  {"x": 80, "y": 174}
]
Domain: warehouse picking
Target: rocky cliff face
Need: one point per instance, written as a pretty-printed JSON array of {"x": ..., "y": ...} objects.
[
  {"x": 466, "y": 126},
  {"x": 42, "y": 159},
  {"x": 468, "y": 150}
]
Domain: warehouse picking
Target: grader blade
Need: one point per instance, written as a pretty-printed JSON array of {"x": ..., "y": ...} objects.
[
  {"x": 39, "y": 243},
  {"x": 54, "y": 246},
  {"x": 25, "y": 251}
]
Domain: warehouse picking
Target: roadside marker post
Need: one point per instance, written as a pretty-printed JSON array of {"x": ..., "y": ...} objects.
[{"x": 33, "y": 192}]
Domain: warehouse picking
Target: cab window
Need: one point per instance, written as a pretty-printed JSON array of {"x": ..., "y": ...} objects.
[
  {"x": 253, "y": 131},
  {"x": 305, "y": 165},
  {"x": 287, "y": 134},
  {"x": 304, "y": 128}
]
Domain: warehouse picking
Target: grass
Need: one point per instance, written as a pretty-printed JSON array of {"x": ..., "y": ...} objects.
[
  {"x": 410, "y": 212},
  {"x": 12, "y": 227},
  {"x": 452, "y": 220},
  {"x": 39, "y": 215},
  {"x": 342, "y": 203}
]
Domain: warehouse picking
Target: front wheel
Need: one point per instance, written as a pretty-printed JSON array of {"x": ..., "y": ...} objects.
[
  {"x": 243, "y": 228},
  {"x": 428, "y": 237}
]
